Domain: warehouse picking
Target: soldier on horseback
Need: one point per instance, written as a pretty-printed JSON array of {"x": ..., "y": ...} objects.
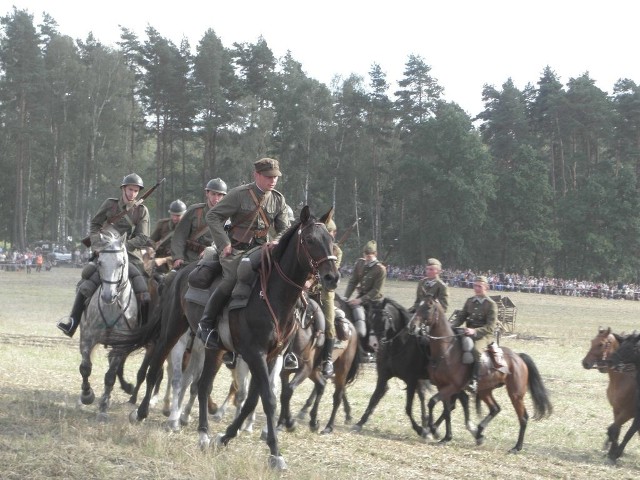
[
  {"x": 253, "y": 210},
  {"x": 368, "y": 277},
  {"x": 161, "y": 236},
  {"x": 192, "y": 234},
  {"x": 135, "y": 224},
  {"x": 479, "y": 316},
  {"x": 432, "y": 286}
]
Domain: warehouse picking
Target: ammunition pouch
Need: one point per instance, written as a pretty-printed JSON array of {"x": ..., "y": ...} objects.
[
  {"x": 343, "y": 332},
  {"x": 467, "y": 347},
  {"x": 359, "y": 320},
  {"x": 195, "y": 246}
]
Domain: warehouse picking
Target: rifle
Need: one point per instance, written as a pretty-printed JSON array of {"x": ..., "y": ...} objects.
[
  {"x": 87, "y": 240},
  {"x": 347, "y": 232}
]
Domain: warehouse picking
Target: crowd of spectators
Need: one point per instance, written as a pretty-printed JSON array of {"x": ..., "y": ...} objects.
[{"x": 514, "y": 282}]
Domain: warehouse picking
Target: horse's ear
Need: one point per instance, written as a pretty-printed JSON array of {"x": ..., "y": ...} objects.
[
  {"x": 305, "y": 214},
  {"x": 327, "y": 216}
]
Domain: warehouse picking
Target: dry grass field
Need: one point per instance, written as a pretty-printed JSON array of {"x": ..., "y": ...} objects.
[{"x": 45, "y": 434}]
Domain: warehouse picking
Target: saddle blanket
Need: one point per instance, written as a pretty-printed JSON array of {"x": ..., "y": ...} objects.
[{"x": 198, "y": 296}]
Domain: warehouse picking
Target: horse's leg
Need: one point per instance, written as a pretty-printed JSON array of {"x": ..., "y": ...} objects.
[
  {"x": 194, "y": 372},
  {"x": 412, "y": 385},
  {"x": 487, "y": 397},
  {"x": 212, "y": 362},
  {"x": 288, "y": 387},
  {"x": 305, "y": 408},
  {"x": 177, "y": 384},
  {"x": 156, "y": 391},
  {"x": 614, "y": 454},
  {"x": 115, "y": 362},
  {"x": 319, "y": 392},
  {"x": 87, "y": 396},
  {"x": 379, "y": 392},
  {"x": 274, "y": 375},
  {"x": 347, "y": 409},
  {"x": 126, "y": 386}
]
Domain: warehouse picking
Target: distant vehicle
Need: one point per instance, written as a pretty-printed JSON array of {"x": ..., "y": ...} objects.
[{"x": 58, "y": 256}]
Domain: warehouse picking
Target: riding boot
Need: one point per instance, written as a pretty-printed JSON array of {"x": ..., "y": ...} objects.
[
  {"x": 327, "y": 364},
  {"x": 473, "y": 384},
  {"x": 207, "y": 328},
  {"x": 70, "y": 327},
  {"x": 144, "y": 299}
]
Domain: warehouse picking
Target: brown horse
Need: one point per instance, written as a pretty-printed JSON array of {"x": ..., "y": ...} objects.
[
  {"x": 450, "y": 375},
  {"x": 627, "y": 355},
  {"x": 621, "y": 391},
  {"x": 346, "y": 360}
]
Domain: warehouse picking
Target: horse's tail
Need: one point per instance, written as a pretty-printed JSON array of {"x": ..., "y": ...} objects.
[
  {"x": 124, "y": 342},
  {"x": 541, "y": 403},
  {"x": 354, "y": 370}
]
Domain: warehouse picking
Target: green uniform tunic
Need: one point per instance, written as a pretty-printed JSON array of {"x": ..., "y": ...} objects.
[
  {"x": 369, "y": 280},
  {"x": 184, "y": 245},
  {"x": 165, "y": 229},
  {"x": 435, "y": 288},
  {"x": 479, "y": 313}
]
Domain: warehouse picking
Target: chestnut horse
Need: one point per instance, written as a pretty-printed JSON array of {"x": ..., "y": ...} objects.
[
  {"x": 628, "y": 354},
  {"x": 450, "y": 375},
  {"x": 621, "y": 391}
]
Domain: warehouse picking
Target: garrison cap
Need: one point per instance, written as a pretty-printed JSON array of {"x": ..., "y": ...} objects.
[
  {"x": 370, "y": 248},
  {"x": 434, "y": 261},
  {"x": 481, "y": 279},
  {"x": 268, "y": 167}
]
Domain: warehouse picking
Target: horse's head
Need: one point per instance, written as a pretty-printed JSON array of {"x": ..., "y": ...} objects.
[
  {"x": 316, "y": 245},
  {"x": 602, "y": 346},
  {"x": 429, "y": 314},
  {"x": 113, "y": 265},
  {"x": 628, "y": 353}
]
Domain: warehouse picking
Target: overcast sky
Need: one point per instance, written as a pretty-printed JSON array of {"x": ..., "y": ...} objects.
[{"x": 467, "y": 43}]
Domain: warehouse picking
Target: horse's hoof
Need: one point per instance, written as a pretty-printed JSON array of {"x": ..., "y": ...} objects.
[
  {"x": 326, "y": 431},
  {"x": 133, "y": 400},
  {"x": 263, "y": 435},
  {"x": 166, "y": 412},
  {"x": 221, "y": 440},
  {"x": 348, "y": 420},
  {"x": 102, "y": 417},
  {"x": 217, "y": 417},
  {"x": 133, "y": 417},
  {"x": 425, "y": 434},
  {"x": 480, "y": 440},
  {"x": 277, "y": 462},
  {"x": 444, "y": 442},
  {"x": 314, "y": 426},
  {"x": 184, "y": 420},
  {"x": 514, "y": 450},
  {"x": 172, "y": 426},
  {"x": 472, "y": 428},
  {"x": 87, "y": 398},
  {"x": 357, "y": 428},
  {"x": 301, "y": 415},
  {"x": 212, "y": 408},
  {"x": 204, "y": 442}
]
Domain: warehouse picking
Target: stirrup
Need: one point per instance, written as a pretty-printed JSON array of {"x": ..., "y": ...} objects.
[
  {"x": 290, "y": 361},
  {"x": 327, "y": 369},
  {"x": 229, "y": 359},
  {"x": 473, "y": 386},
  {"x": 66, "y": 328},
  {"x": 209, "y": 337}
]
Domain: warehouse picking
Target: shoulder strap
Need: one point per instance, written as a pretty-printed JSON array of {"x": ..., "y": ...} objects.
[{"x": 260, "y": 205}]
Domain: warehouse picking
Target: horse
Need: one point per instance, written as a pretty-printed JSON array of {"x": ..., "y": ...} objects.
[
  {"x": 628, "y": 353},
  {"x": 112, "y": 308},
  {"x": 450, "y": 375},
  {"x": 621, "y": 391},
  {"x": 347, "y": 361},
  {"x": 401, "y": 355},
  {"x": 260, "y": 330}
]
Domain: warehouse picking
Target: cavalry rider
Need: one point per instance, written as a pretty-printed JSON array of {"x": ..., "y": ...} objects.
[
  {"x": 369, "y": 275},
  {"x": 432, "y": 286},
  {"x": 479, "y": 316},
  {"x": 135, "y": 224},
  {"x": 192, "y": 233},
  {"x": 252, "y": 209},
  {"x": 165, "y": 229}
]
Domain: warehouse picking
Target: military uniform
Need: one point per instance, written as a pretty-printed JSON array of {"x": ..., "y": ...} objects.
[
  {"x": 165, "y": 229},
  {"x": 369, "y": 280},
  {"x": 432, "y": 287},
  {"x": 251, "y": 213},
  {"x": 184, "y": 244}
]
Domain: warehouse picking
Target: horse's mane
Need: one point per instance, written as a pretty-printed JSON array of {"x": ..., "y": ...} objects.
[{"x": 284, "y": 240}]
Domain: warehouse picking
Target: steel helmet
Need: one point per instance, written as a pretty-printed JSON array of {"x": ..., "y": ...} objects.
[
  {"x": 216, "y": 185},
  {"x": 177, "y": 207},
  {"x": 132, "y": 179}
]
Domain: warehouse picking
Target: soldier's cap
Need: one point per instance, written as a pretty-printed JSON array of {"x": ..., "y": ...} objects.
[
  {"x": 370, "y": 248},
  {"x": 268, "y": 167},
  {"x": 481, "y": 279},
  {"x": 434, "y": 261}
]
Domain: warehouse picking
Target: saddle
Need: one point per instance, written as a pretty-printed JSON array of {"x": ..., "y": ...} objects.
[{"x": 494, "y": 357}]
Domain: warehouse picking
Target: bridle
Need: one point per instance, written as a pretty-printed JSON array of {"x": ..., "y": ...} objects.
[{"x": 265, "y": 272}]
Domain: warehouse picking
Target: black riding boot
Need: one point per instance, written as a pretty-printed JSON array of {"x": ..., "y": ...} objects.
[
  {"x": 327, "y": 364},
  {"x": 207, "y": 328},
  {"x": 144, "y": 300},
  {"x": 473, "y": 384},
  {"x": 73, "y": 321}
]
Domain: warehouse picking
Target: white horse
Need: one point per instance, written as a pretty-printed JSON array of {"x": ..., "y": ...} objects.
[{"x": 112, "y": 307}]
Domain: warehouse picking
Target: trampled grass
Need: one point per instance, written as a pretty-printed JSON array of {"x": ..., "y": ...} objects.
[{"x": 45, "y": 434}]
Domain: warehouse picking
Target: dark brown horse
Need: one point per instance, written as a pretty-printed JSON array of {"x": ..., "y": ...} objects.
[
  {"x": 628, "y": 354},
  {"x": 346, "y": 363},
  {"x": 450, "y": 375},
  {"x": 621, "y": 391}
]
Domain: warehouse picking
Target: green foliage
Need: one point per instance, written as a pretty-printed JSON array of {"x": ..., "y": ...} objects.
[{"x": 543, "y": 180}]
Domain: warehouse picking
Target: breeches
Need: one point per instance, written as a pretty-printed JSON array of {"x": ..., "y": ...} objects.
[
  {"x": 327, "y": 300},
  {"x": 229, "y": 272}
]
